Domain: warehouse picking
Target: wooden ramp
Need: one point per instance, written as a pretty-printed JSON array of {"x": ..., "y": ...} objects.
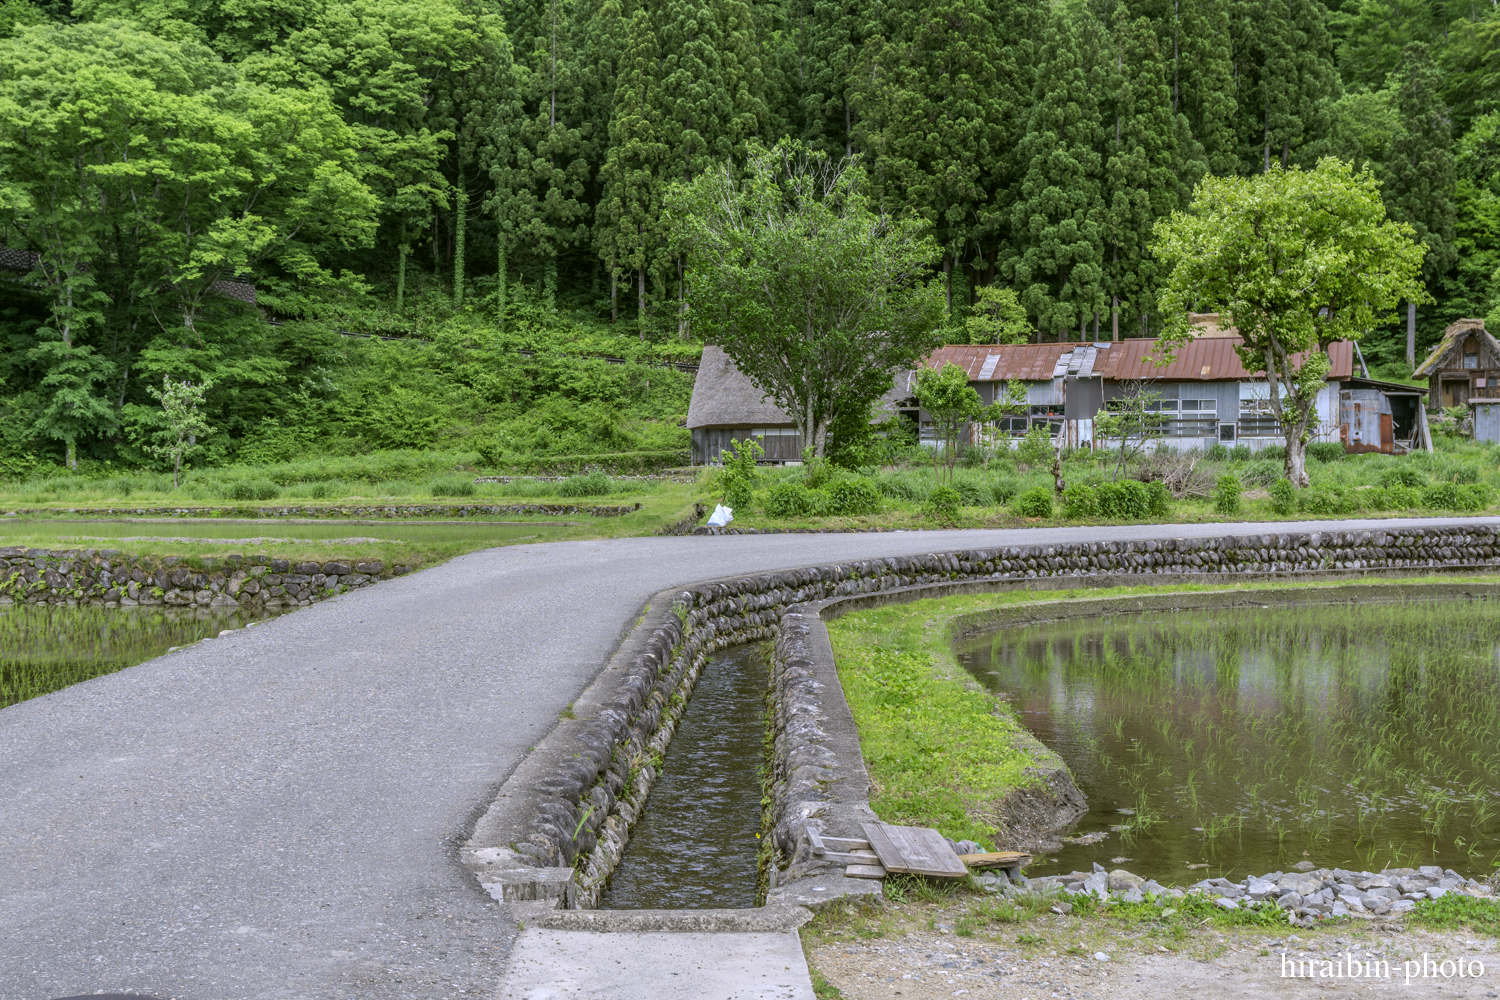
[{"x": 918, "y": 850}]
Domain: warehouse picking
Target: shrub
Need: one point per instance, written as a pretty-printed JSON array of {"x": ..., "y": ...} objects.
[
  {"x": 943, "y": 504},
  {"x": 1240, "y": 453},
  {"x": 1403, "y": 475},
  {"x": 1158, "y": 499},
  {"x": 1260, "y": 473},
  {"x": 1275, "y": 453},
  {"x": 1216, "y": 452},
  {"x": 1080, "y": 502},
  {"x": 1004, "y": 491},
  {"x": 1227, "y": 494},
  {"x": 1474, "y": 496},
  {"x": 595, "y": 484},
  {"x": 251, "y": 489},
  {"x": 1126, "y": 500},
  {"x": 738, "y": 495},
  {"x": 1035, "y": 502},
  {"x": 974, "y": 494},
  {"x": 1035, "y": 447},
  {"x": 849, "y": 497},
  {"x": 1325, "y": 500},
  {"x": 1465, "y": 475},
  {"x": 1325, "y": 451},
  {"x": 454, "y": 486},
  {"x": 1440, "y": 496},
  {"x": 790, "y": 500},
  {"x": 1399, "y": 496},
  {"x": 1283, "y": 497}
]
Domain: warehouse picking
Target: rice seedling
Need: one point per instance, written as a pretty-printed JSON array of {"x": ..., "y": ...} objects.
[
  {"x": 1267, "y": 733},
  {"x": 45, "y": 648}
]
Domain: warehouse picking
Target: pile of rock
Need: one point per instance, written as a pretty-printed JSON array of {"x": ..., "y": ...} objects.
[{"x": 1307, "y": 897}]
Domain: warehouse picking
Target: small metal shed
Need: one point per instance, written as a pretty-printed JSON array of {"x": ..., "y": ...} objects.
[
  {"x": 1486, "y": 413},
  {"x": 1387, "y": 417}
]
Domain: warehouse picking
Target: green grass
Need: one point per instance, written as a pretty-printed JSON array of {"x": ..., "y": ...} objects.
[
  {"x": 1454, "y": 911},
  {"x": 938, "y": 751}
]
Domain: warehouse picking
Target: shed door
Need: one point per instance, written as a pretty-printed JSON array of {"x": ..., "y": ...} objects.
[{"x": 1455, "y": 392}]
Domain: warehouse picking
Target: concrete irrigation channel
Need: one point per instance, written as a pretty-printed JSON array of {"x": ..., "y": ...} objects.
[{"x": 281, "y": 812}]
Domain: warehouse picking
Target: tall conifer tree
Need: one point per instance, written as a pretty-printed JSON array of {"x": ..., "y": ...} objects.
[
  {"x": 1419, "y": 173},
  {"x": 1140, "y": 173},
  {"x": 1058, "y": 221}
]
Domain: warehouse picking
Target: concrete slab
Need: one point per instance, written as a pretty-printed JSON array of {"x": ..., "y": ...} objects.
[{"x": 662, "y": 965}]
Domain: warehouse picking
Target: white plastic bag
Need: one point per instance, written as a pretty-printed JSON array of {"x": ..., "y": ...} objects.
[{"x": 721, "y": 516}]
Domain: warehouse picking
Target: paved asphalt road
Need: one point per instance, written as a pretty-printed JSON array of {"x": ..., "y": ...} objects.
[{"x": 276, "y": 814}]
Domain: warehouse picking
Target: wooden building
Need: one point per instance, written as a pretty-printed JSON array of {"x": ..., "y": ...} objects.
[
  {"x": 1464, "y": 365},
  {"x": 726, "y": 406}
]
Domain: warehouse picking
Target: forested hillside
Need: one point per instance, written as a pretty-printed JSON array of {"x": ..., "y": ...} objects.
[{"x": 475, "y": 178}]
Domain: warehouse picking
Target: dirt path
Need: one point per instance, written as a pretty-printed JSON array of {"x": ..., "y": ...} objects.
[{"x": 913, "y": 952}]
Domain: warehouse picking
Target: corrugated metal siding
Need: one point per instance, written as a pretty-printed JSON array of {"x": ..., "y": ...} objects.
[{"x": 1487, "y": 422}]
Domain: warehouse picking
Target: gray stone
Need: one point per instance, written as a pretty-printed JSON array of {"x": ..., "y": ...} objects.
[{"x": 1290, "y": 901}]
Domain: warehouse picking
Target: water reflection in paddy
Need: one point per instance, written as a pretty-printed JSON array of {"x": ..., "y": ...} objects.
[{"x": 1250, "y": 739}]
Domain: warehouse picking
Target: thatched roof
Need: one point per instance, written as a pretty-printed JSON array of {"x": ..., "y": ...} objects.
[
  {"x": 1456, "y": 332},
  {"x": 725, "y": 397}
]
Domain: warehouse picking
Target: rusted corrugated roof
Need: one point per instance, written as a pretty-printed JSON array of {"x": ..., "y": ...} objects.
[
  {"x": 1027, "y": 362},
  {"x": 1204, "y": 359}
]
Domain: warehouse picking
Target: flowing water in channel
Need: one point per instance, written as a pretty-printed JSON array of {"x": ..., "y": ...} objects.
[
  {"x": 695, "y": 845},
  {"x": 46, "y": 647},
  {"x": 1247, "y": 740}
]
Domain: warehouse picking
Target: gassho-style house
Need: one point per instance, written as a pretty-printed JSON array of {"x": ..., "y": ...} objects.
[{"x": 1206, "y": 397}]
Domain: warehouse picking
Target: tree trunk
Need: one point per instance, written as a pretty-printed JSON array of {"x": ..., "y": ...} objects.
[
  {"x": 682, "y": 320},
  {"x": 1411, "y": 336},
  {"x": 177, "y": 465},
  {"x": 948, "y": 281},
  {"x": 70, "y": 453},
  {"x": 640, "y": 300},
  {"x": 549, "y": 283},
  {"x": 501, "y": 266},
  {"x": 1296, "y": 460},
  {"x": 460, "y": 224},
  {"x": 614, "y": 296},
  {"x": 401, "y": 274},
  {"x": 1114, "y": 321}
]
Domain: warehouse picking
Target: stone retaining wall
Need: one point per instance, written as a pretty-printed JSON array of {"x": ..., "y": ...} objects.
[
  {"x": 364, "y": 511},
  {"x": 114, "y": 579},
  {"x": 584, "y": 807}
]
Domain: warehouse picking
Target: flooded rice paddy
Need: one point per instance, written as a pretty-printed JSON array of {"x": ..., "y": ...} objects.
[
  {"x": 695, "y": 845},
  {"x": 1251, "y": 739},
  {"x": 44, "y": 648}
]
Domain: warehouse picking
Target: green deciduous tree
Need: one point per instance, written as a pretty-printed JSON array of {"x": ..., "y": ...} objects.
[
  {"x": 952, "y": 404},
  {"x": 1297, "y": 259},
  {"x": 997, "y": 318},
  {"x": 817, "y": 296},
  {"x": 180, "y": 402}
]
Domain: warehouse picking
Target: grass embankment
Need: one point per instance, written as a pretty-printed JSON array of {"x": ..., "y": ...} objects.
[
  {"x": 47, "y": 522},
  {"x": 940, "y": 752}
]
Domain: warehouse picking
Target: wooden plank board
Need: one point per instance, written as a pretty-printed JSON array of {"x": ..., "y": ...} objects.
[
  {"x": 915, "y": 849},
  {"x": 851, "y": 857},
  {"x": 996, "y": 859},
  {"x": 864, "y": 871},
  {"x": 845, "y": 844}
]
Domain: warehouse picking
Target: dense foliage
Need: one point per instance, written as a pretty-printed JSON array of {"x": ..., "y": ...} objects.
[{"x": 492, "y": 176}]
